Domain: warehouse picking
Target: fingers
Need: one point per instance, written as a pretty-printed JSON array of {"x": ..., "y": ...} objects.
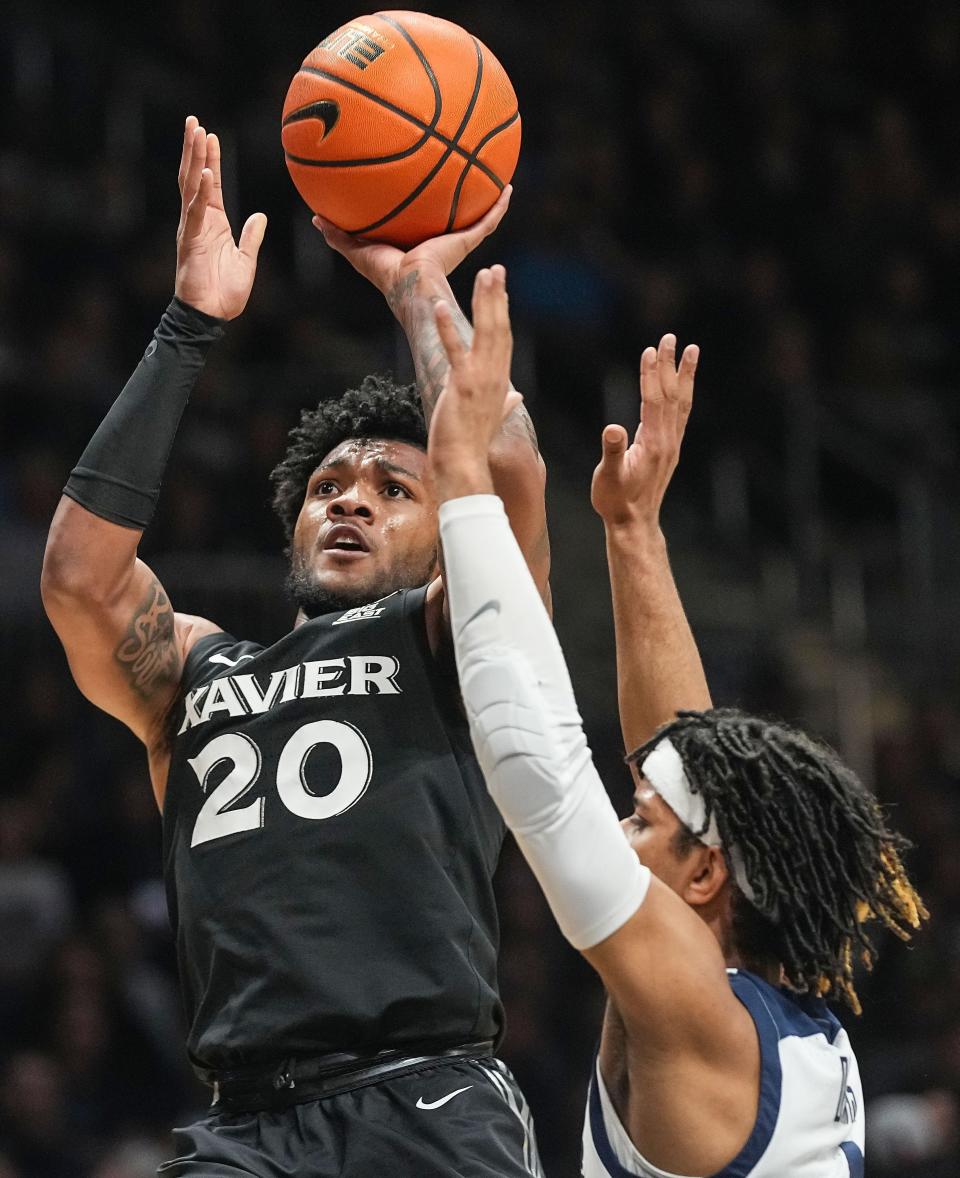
[
  {"x": 500, "y": 308},
  {"x": 482, "y": 308},
  {"x": 666, "y": 393},
  {"x": 667, "y": 366},
  {"x": 335, "y": 237},
  {"x": 685, "y": 377},
  {"x": 662, "y": 381},
  {"x": 492, "y": 218},
  {"x": 193, "y": 222},
  {"x": 676, "y": 381},
  {"x": 453, "y": 345},
  {"x": 651, "y": 393},
  {"x": 650, "y": 375},
  {"x": 251, "y": 236},
  {"x": 187, "y": 151},
  {"x": 464, "y": 241},
  {"x": 614, "y": 441},
  {"x": 195, "y": 163},
  {"x": 491, "y": 314},
  {"x": 513, "y": 400},
  {"x": 213, "y": 163},
  {"x": 501, "y": 300}
]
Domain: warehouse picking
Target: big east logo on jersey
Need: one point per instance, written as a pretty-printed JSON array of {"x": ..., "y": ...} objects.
[
  {"x": 361, "y": 613},
  {"x": 246, "y": 695}
]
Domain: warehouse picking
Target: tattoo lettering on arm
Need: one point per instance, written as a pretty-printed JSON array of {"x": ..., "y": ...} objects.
[
  {"x": 148, "y": 654},
  {"x": 398, "y": 295},
  {"x": 430, "y": 357},
  {"x": 429, "y": 354},
  {"x": 520, "y": 425}
]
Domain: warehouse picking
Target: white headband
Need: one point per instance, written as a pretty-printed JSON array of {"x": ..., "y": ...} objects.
[{"x": 664, "y": 770}]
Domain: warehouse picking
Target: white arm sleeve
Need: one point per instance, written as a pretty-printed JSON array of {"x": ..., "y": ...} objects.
[{"x": 526, "y": 729}]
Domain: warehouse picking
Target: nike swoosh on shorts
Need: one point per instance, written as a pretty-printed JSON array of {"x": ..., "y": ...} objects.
[{"x": 421, "y": 1103}]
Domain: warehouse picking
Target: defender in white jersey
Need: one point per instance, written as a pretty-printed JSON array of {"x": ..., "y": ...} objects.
[
  {"x": 809, "y": 1119},
  {"x": 753, "y": 860}
]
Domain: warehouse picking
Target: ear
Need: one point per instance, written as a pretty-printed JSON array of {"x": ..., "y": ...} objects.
[{"x": 706, "y": 876}]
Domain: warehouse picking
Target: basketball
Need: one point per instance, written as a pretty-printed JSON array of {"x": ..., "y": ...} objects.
[{"x": 401, "y": 126}]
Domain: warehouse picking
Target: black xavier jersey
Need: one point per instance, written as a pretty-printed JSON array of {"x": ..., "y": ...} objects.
[{"x": 329, "y": 845}]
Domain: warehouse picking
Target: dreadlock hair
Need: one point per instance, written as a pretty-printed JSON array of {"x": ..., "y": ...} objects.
[
  {"x": 379, "y": 408},
  {"x": 816, "y": 848}
]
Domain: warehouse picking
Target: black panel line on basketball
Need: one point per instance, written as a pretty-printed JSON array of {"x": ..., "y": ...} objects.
[
  {"x": 377, "y": 159},
  {"x": 408, "y": 200},
  {"x": 384, "y": 102},
  {"x": 430, "y": 129},
  {"x": 437, "y": 97},
  {"x": 303, "y": 113},
  {"x": 472, "y": 160}
]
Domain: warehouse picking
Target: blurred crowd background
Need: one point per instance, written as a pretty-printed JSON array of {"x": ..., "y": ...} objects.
[{"x": 776, "y": 181}]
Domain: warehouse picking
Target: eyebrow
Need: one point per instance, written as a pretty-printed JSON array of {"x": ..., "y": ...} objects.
[
  {"x": 383, "y": 464},
  {"x": 393, "y": 468}
]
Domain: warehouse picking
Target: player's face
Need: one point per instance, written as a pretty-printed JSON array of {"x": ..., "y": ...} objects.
[
  {"x": 652, "y": 831},
  {"x": 367, "y": 527}
]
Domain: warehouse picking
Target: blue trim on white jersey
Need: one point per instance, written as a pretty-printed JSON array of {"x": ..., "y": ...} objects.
[
  {"x": 851, "y": 1151},
  {"x": 776, "y": 1015},
  {"x": 794, "y": 1014},
  {"x": 601, "y": 1141},
  {"x": 769, "y": 1033},
  {"x": 756, "y": 1144}
]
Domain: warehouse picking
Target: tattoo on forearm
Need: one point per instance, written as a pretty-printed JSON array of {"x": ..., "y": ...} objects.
[
  {"x": 520, "y": 425},
  {"x": 430, "y": 357},
  {"x": 399, "y": 293},
  {"x": 148, "y": 654}
]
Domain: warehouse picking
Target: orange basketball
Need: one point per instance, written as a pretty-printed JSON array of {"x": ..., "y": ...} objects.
[{"x": 400, "y": 126}]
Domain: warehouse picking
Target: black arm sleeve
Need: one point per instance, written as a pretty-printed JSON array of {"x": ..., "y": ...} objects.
[{"x": 119, "y": 474}]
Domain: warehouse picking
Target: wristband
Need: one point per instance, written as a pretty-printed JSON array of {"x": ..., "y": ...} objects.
[{"x": 119, "y": 474}]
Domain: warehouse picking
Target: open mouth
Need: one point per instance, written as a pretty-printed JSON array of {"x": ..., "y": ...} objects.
[{"x": 345, "y": 539}]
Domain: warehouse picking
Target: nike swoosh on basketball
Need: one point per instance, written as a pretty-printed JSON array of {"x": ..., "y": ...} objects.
[
  {"x": 421, "y": 1103},
  {"x": 326, "y": 110}
]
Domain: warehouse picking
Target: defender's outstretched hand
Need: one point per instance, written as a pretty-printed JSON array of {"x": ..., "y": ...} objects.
[
  {"x": 631, "y": 480},
  {"x": 214, "y": 273},
  {"x": 386, "y": 266},
  {"x": 477, "y": 395}
]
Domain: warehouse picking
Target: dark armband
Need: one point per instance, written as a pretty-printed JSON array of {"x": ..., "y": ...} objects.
[{"x": 119, "y": 474}]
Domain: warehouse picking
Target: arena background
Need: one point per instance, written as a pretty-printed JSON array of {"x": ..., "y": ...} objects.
[{"x": 775, "y": 181}]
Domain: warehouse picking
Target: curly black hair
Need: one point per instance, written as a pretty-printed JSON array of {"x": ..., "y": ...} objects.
[
  {"x": 816, "y": 848},
  {"x": 379, "y": 408}
]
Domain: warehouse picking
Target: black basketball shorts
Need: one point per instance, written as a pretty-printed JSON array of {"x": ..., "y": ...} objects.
[{"x": 454, "y": 1118}]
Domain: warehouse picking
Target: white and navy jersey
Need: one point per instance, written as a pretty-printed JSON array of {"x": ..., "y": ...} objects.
[{"x": 810, "y": 1117}]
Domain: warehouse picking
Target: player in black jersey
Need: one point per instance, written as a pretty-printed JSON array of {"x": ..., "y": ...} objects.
[{"x": 328, "y": 840}]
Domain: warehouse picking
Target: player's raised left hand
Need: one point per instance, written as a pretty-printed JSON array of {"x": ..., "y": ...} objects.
[
  {"x": 476, "y": 395},
  {"x": 631, "y": 479},
  {"x": 214, "y": 273},
  {"x": 391, "y": 269}
]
